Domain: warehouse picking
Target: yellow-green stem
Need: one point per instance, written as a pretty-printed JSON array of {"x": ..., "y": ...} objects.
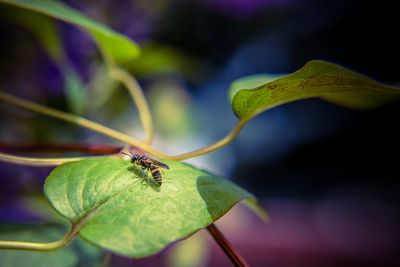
[
  {"x": 42, "y": 162},
  {"x": 33, "y": 246},
  {"x": 138, "y": 97},
  {"x": 79, "y": 121},
  {"x": 205, "y": 150},
  {"x": 118, "y": 135}
]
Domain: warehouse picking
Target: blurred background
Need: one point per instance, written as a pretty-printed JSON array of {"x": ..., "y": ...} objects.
[{"x": 328, "y": 176}]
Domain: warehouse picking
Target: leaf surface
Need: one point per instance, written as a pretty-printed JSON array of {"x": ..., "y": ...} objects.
[
  {"x": 316, "y": 79},
  {"x": 120, "y": 208}
]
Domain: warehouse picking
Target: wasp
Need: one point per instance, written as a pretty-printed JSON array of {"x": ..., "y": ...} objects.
[{"x": 150, "y": 164}]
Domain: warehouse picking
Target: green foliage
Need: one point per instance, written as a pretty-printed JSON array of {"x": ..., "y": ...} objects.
[
  {"x": 316, "y": 79},
  {"x": 78, "y": 254},
  {"x": 114, "y": 46},
  {"x": 251, "y": 81},
  {"x": 161, "y": 59},
  {"x": 120, "y": 208},
  {"x": 74, "y": 91}
]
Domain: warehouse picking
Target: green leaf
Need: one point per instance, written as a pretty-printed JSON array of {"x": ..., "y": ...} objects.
[
  {"x": 316, "y": 79},
  {"x": 360, "y": 100},
  {"x": 114, "y": 46},
  {"x": 74, "y": 91},
  {"x": 161, "y": 59},
  {"x": 118, "y": 207},
  {"x": 251, "y": 81},
  {"x": 79, "y": 253}
]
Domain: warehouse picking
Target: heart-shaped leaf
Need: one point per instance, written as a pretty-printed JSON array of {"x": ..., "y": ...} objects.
[
  {"x": 113, "y": 45},
  {"x": 316, "y": 79},
  {"x": 119, "y": 207}
]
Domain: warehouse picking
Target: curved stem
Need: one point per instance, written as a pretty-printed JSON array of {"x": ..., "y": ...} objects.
[
  {"x": 205, "y": 150},
  {"x": 42, "y": 162},
  {"x": 233, "y": 255},
  {"x": 138, "y": 97},
  {"x": 118, "y": 135},
  {"x": 90, "y": 149},
  {"x": 67, "y": 117},
  {"x": 79, "y": 121},
  {"x": 33, "y": 246}
]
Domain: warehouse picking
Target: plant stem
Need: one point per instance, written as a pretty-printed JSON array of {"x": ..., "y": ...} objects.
[
  {"x": 118, "y": 135},
  {"x": 138, "y": 97},
  {"x": 92, "y": 149},
  {"x": 33, "y": 246},
  {"x": 205, "y": 150},
  {"x": 233, "y": 255},
  {"x": 42, "y": 162},
  {"x": 79, "y": 121},
  {"x": 67, "y": 117}
]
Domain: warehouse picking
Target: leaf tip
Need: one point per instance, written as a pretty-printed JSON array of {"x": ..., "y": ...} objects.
[{"x": 257, "y": 209}]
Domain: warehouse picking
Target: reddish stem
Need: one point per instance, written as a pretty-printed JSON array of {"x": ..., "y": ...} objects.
[
  {"x": 233, "y": 255},
  {"x": 92, "y": 149}
]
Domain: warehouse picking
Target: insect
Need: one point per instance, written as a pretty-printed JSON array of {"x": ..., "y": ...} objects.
[{"x": 148, "y": 164}]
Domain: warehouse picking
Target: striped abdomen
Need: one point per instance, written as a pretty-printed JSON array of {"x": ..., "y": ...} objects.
[{"x": 155, "y": 172}]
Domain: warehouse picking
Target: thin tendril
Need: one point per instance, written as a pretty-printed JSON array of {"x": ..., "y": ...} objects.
[
  {"x": 136, "y": 92},
  {"x": 118, "y": 135},
  {"x": 43, "y": 162}
]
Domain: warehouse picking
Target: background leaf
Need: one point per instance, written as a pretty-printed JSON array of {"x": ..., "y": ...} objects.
[
  {"x": 74, "y": 91},
  {"x": 161, "y": 59},
  {"x": 119, "y": 209},
  {"x": 78, "y": 254},
  {"x": 316, "y": 79},
  {"x": 114, "y": 46}
]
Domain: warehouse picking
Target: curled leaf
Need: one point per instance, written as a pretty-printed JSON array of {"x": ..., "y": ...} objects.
[{"x": 316, "y": 79}]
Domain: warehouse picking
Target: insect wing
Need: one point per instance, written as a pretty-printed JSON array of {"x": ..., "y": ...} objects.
[{"x": 160, "y": 164}]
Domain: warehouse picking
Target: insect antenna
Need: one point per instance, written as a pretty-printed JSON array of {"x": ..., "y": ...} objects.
[{"x": 130, "y": 154}]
